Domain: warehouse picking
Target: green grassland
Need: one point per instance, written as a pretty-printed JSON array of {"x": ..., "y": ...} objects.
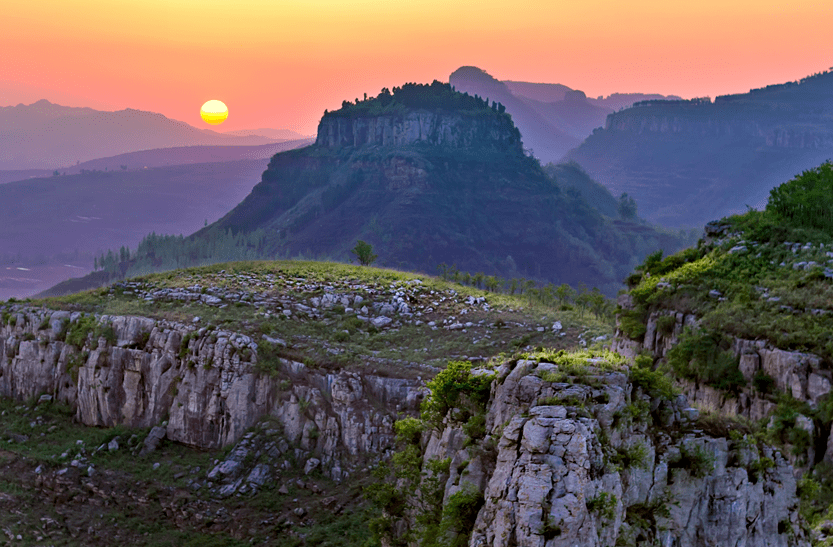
[
  {"x": 763, "y": 275},
  {"x": 255, "y": 293}
]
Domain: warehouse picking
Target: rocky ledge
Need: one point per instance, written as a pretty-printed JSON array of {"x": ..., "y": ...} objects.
[
  {"x": 205, "y": 385},
  {"x": 586, "y": 455},
  {"x": 803, "y": 376},
  {"x": 590, "y": 452}
]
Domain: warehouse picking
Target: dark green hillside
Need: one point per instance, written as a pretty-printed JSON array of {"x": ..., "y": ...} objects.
[
  {"x": 687, "y": 162},
  {"x": 571, "y": 175}
]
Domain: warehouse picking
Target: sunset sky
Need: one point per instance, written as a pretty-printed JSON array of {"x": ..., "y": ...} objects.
[{"x": 280, "y": 63}]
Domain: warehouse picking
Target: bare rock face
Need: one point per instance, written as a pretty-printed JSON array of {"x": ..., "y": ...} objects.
[
  {"x": 203, "y": 382},
  {"x": 801, "y": 374},
  {"x": 559, "y": 477},
  {"x": 437, "y": 129},
  {"x": 594, "y": 462}
]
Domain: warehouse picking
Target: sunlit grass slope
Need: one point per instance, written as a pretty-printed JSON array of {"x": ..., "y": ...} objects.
[{"x": 335, "y": 315}]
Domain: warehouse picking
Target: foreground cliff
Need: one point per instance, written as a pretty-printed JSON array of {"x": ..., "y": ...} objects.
[
  {"x": 210, "y": 352},
  {"x": 743, "y": 322},
  {"x": 234, "y": 404},
  {"x": 204, "y": 385},
  {"x": 581, "y": 449},
  {"x": 286, "y": 377},
  {"x": 555, "y": 450}
]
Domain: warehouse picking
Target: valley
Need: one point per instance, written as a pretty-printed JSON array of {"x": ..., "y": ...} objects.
[{"x": 54, "y": 227}]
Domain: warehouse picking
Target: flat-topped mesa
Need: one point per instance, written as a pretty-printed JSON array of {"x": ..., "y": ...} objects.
[{"x": 433, "y": 115}]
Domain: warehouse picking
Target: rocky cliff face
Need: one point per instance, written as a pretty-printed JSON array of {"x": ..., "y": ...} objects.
[
  {"x": 801, "y": 375},
  {"x": 205, "y": 385},
  {"x": 450, "y": 130},
  {"x": 567, "y": 463},
  {"x": 717, "y": 125}
]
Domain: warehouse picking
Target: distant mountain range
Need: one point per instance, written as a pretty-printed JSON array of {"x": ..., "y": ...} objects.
[
  {"x": 552, "y": 118},
  {"x": 43, "y": 135},
  {"x": 689, "y": 162},
  {"x": 51, "y": 227},
  {"x": 551, "y": 93},
  {"x": 276, "y": 134},
  {"x": 162, "y": 157}
]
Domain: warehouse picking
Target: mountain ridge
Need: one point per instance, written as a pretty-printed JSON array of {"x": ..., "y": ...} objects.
[
  {"x": 687, "y": 162},
  {"x": 421, "y": 202},
  {"x": 553, "y": 118},
  {"x": 44, "y": 135}
]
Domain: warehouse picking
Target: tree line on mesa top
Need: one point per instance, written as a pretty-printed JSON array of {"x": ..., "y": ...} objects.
[{"x": 433, "y": 96}]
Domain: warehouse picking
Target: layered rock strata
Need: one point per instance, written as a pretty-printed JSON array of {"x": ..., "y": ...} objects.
[{"x": 448, "y": 130}]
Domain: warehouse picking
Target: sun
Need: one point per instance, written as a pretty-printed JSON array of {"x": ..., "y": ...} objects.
[{"x": 214, "y": 112}]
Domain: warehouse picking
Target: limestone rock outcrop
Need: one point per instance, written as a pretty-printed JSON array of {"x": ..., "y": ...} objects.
[
  {"x": 593, "y": 460},
  {"x": 559, "y": 474},
  {"x": 448, "y": 130},
  {"x": 205, "y": 383},
  {"x": 803, "y": 375}
]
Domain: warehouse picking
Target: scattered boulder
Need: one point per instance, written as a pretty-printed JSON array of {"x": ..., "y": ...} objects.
[
  {"x": 381, "y": 321},
  {"x": 311, "y": 465},
  {"x": 153, "y": 439}
]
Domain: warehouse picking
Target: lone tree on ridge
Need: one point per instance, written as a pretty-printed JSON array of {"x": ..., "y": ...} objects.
[{"x": 364, "y": 253}]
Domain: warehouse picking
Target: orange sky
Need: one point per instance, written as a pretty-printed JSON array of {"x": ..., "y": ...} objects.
[{"x": 280, "y": 63}]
